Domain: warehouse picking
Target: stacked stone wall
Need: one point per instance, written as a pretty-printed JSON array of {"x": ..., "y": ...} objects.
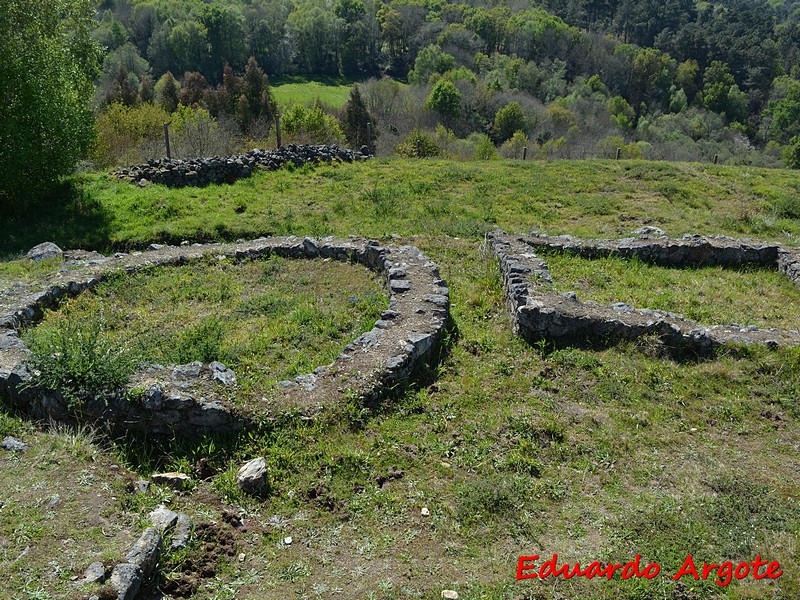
[
  {"x": 540, "y": 314},
  {"x": 191, "y": 398},
  {"x": 203, "y": 171}
]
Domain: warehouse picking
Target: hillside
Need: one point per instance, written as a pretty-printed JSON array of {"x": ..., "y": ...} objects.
[
  {"x": 503, "y": 449},
  {"x": 675, "y": 81},
  {"x": 424, "y": 197}
]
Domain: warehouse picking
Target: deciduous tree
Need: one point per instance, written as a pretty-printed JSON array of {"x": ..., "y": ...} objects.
[
  {"x": 508, "y": 120},
  {"x": 444, "y": 99},
  {"x": 48, "y": 59}
]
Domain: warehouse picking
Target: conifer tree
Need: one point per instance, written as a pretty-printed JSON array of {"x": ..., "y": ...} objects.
[
  {"x": 354, "y": 121},
  {"x": 167, "y": 92}
]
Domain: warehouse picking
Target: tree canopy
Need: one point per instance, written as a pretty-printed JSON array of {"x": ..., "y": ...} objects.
[
  {"x": 671, "y": 74},
  {"x": 49, "y": 59}
]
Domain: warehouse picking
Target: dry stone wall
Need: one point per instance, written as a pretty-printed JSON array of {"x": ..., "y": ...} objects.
[
  {"x": 202, "y": 171},
  {"x": 192, "y": 398},
  {"x": 538, "y": 313}
]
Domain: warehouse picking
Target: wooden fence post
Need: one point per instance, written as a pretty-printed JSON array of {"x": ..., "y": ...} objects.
[{"x": 166, "y": 139}]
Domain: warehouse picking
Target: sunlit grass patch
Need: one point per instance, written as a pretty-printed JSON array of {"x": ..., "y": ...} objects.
[
  {"x": 307, "y": 93},
  {"x": 597, "y": 198},
  {"x": 268, "y": 320},
  {"x": 25, "y": 270},
  {"x": 708, "y": 295}
]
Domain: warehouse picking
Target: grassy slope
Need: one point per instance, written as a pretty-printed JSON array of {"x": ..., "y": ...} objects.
[
  {"x": 587, "y": 198},
  {"x": 595, "y": 455},
  {"x": 331, "y": 94}
]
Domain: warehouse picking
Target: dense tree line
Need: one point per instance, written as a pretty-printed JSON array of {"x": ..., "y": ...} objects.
[
  {"x": 738, "y": 59},
  {"x": 677, "y": 79},
  {"x": 652, "y": 73}
]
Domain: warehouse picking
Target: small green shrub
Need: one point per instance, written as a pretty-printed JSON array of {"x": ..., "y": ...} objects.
[
  {"x": 121, "y": 131},
  {"x": 417, "y": 144},
  {"x": 509, "y": 119},
  {"x": 202, "y": 342},
  {"x": 787, "y": 206},
  {"x": 493, "y": 497},
  {"x": 311, "y": 125},
  {"x": 445, "y": 98},
  {"x": 484, "y": 147},
  {"x": 791, "y": 153},
  {"x": 78, "y": 360},
  {"x": 513, "y": 148}
]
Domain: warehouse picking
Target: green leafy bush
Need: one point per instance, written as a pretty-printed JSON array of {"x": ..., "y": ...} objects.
[
  {"x": 311, "y": 125},
  {"x": 121, "y": 131},
  {"x": 78, "y": 360},
  {"x": 513, "y": 148},
  {"x": 791, "y": 153},
  {"x": 484, "y": 147},
  {"x": 417, "y": 144}
]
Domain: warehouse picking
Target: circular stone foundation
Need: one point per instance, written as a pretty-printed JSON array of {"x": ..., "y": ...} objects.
[{"x": 191, "y": 398}]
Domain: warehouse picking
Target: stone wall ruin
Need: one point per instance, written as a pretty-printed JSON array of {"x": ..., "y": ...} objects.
[
  {"x": 539, "y": 314},
  {"x": 189, "y": 398},
  {"x": 203, "y": 171}
]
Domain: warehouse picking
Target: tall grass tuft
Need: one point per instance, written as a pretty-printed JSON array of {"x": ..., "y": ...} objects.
[{"x": 75, "y": 358}]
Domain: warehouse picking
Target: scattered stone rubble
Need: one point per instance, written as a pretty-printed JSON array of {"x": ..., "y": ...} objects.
[
  {"x": 129, "y": 578},
  {"x": 13, "y": 444},
  {"x": 195, "y": 398},
  {"x": 538, "y": 313},
  {"x": 202, "y": 171}
]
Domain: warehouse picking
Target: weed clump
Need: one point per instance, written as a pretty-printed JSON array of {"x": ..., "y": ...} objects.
[
  {"x": 494, "y": 497},
  {"x": 75, "y": 358}
]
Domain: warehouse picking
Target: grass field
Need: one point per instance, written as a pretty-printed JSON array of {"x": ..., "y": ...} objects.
[
  {"x": 596, "y": 455},
  {"x": 332, "y": 94},
  {"x": 599, "y": 198},
  {"x": 709, "y": 295},
  {"x": 267, "y": 320}
]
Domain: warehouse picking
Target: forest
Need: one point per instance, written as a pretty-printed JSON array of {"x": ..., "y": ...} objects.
[{"x": 678, "y": 80}]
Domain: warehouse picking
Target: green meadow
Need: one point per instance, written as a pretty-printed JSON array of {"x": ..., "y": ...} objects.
[
  {"x": 501, "y": 449},
  {"x": 298, "y": 90}
]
